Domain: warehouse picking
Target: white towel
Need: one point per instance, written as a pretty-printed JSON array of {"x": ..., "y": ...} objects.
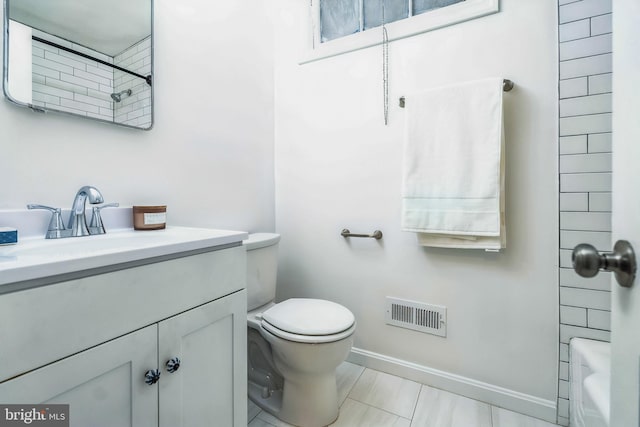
[{"x": 453, "y": 183}]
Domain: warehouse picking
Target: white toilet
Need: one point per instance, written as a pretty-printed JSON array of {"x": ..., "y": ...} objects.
[{"x": 295, "y": 346}]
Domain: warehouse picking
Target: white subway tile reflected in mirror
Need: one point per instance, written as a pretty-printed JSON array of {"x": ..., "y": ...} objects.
[{"x": 90, "y": 59}]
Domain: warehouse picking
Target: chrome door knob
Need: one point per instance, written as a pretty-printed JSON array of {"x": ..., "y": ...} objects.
[
  {"x": 173, "y": 364},
  {"x": 622, "y": 261},
  {"x": 151, "y": 376}
]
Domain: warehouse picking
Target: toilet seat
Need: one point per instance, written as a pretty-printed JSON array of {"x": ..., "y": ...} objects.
[
  {"x": 308, "y": 339},
  {"x": 308, "y": 320}
]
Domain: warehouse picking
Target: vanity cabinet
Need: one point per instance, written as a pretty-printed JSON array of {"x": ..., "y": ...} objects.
[
  {"x": 103, "y": 386},
  {"x": 89, "y": 342},
  {"x": 204, "y": 390}
]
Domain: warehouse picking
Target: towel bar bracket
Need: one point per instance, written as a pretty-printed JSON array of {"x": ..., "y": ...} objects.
[
  {"x": 377, "y": 234},
  {"x": 507, "y": 85}
]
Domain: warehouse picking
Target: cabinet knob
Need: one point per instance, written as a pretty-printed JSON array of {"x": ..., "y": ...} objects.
[
  {"x": 152, "y": 376},
  {"x": 173, "y": 364}
]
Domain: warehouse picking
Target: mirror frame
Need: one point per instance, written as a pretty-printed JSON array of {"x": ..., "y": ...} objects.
[{"x": 40, "y": 109}]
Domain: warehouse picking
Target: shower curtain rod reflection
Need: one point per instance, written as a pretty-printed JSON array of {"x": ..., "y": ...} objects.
[
  {"x": 507, "y": 85},
  {"x": 84, "y": 55}
]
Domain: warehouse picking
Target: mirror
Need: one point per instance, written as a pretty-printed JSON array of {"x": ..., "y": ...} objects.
[{"x": 90, "y": 58}]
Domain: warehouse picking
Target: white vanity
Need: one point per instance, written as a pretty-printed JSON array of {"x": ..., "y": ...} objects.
[{"x": 87, "y": 322}]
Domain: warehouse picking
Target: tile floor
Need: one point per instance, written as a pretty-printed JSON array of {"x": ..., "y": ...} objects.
[{"x": 370, "y": 398}]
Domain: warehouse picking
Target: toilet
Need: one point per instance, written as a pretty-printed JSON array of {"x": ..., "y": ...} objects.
[{"x": 294, "y": 346}]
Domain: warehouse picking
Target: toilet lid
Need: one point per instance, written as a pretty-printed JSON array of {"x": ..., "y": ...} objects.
[{"x": 307, "y": 316}]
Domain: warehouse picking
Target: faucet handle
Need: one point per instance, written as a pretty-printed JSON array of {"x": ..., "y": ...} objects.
[
  {"x": 49, "y": 208},
  {"x": 96, "y": 226},
  {"x": 56, "y": 226}
]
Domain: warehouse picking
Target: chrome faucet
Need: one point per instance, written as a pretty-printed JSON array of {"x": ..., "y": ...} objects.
[{"x": 77, "y": 219}]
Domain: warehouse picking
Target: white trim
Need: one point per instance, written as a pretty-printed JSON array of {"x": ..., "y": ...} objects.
[
  {"x": 428, "y": 21},
  {"x": 489, "y": 393}
]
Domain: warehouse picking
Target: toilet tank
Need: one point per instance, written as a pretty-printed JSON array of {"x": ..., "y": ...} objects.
[{"x": 262, "y": 268}]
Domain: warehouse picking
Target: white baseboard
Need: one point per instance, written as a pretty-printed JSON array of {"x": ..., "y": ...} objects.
[{"x": 489, "y": 393}]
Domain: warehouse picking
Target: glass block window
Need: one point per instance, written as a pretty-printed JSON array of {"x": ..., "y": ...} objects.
[
  {"x": 393, "y": 11},
  {"x": 339, "y": 18},
  {"x": 422, "y": 6}
]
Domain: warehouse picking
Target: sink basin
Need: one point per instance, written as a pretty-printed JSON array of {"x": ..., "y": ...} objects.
[{"x": 38, "y": 259}]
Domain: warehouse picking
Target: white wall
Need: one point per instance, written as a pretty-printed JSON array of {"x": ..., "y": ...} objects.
[
  {"x": 209, "y": 154},
  {"x": 20, "y": 64},
  {"x": 338, "y": 166}
]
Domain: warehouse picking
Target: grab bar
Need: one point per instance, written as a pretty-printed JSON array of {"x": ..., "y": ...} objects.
[{"x": 377, "y": 234}]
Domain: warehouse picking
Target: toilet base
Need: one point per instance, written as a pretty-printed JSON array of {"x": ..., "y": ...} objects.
[
  {"x": 312, "y": 402},
  {"x": 272, "y": 403}
]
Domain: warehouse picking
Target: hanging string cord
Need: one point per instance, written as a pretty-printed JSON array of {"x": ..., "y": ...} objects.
[{"x": 385, "y": 68}]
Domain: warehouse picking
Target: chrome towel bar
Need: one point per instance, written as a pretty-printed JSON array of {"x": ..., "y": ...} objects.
[
  {"x": 377, "y": 234},
  {"x": 507, "y": 85}
]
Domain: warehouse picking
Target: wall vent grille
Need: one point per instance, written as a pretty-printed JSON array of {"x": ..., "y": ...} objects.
[{"x": 428, "y": 318}]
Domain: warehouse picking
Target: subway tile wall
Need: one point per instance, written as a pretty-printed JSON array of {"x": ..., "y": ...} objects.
[
  {"x": 67, "y": 82},
  {"x": 134, "y": 110},
  {"x": 584, "y": 37}
]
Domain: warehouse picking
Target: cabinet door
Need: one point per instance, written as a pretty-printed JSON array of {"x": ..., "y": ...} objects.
[
  {"x": 210, "y": 386},
  {"x": 104, "y": 385}
]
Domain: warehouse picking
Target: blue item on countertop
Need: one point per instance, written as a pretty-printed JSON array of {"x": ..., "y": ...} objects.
[{"x": 8, "y": 236}]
